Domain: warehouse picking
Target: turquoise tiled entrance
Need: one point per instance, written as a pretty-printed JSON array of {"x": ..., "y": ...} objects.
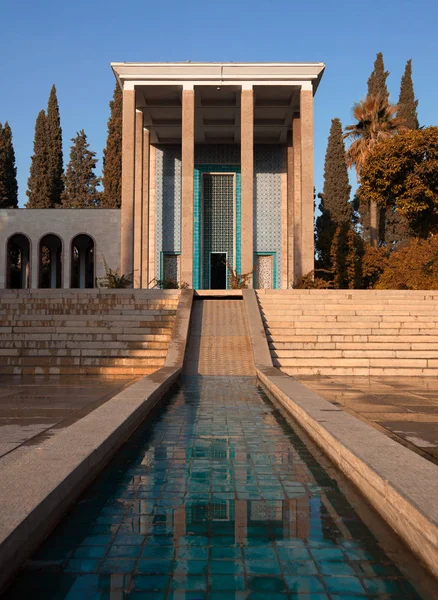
[
  {"x": 219, "y": 499},
  {"x": 217, "y": 227}
]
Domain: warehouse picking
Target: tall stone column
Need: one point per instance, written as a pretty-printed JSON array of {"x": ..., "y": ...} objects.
[
  {"x": 188, "y": 168},
  {"x": 128, "y": 166},
  {"x": 145, "y": 234},
  {"x": 307, "y": 202},
  {"x": 35, "y": 264},
  {"x": 247, "y": 166},
  {"x": 296, "y": 198},
  {"x": 138, "y": 197}
]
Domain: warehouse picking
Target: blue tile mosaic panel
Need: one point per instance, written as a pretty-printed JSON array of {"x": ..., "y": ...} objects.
[
  {"x": 168, "y": 202},
  {"x": 267, "y": 202},
  {"x": 217, "y": 219},
  {"x": 216, "y": 498}
]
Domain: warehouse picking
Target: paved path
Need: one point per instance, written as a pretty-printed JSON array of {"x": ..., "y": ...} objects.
[
  {"x": 404, "y": 408},
  {"x": 32, "y": 405},
  {"x": 219, "y": 342}
]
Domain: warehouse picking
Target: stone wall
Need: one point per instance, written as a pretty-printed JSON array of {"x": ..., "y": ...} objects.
[{"x": 103, "y": 225}]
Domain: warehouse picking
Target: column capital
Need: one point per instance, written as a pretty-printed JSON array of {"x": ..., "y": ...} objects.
[{"x": 247, "y": 87}]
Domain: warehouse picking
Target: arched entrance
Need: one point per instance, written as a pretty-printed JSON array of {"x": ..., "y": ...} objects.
[
  {"x": 18, "y": 263},
  {"x": 50, "y": 261},
  {"x": 82, "y": 262}
]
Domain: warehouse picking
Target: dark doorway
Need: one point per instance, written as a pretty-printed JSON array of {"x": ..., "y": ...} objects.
[{"x": 218, "y": 271}]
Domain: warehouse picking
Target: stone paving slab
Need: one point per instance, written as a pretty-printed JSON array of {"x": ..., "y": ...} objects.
[
  {"x": 219, "y": 343},
  {"x": 406, "y": 411},
  {"x": 34, "y": 405}
]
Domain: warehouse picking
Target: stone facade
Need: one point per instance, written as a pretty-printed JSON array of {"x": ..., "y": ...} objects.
[
  {"x": 101, "y": 225},
  {"x": 217, "y": 168}
]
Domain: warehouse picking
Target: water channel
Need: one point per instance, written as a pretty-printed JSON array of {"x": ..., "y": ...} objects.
[{"x": 220, "y": 497}]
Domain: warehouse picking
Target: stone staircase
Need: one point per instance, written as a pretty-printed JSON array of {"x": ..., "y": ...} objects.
[
  {"x": 352, "y": 332},
  {"x": 105, "y": 332}
]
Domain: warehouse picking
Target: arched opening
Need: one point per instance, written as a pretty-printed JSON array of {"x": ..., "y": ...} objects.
[
  {"x": 18, "y": 263},
  {"x": 82, "y": 262},
  {"x": 50, "y": 261}
]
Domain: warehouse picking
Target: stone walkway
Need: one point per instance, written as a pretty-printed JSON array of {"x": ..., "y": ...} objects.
[
  {"x": 32, "y": 405},
  {"x": 404, "y": 408},
  {"x": 219, "y": 343}
]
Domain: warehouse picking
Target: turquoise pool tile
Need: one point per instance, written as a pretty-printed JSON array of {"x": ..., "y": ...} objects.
[
  {"x": 154, "y": 567},
  {"x": 78, "y": 565},
  {"x": 304, "y": 584},
  {"x": 227, "y": 582},
  {"x": 117, "y": 565},
  {"x": 266, "y": 584},
  {"x": 226, "y": 553},
  {"x": 124, "y": 551},
  {"x": 189, "y": 583},
  {"x": 90, "y": 552},
  {"x": 226, "y": 567},
  {"x": 299, "y": 567},
  {"x": 344, "y": 585},
  {"x": 190, "y": 567},
  {"x": 262, "y": 567},
  {"x": 150, "y": 582},
  {"x": 157, "y": 552},
  {"x": 335, "y": 568}
]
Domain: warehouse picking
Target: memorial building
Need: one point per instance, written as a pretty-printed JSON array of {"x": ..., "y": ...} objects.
[{"x": 217, "y": 172}]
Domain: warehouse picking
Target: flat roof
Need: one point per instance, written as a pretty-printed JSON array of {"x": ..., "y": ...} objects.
[{"x": 218, "y": 73}]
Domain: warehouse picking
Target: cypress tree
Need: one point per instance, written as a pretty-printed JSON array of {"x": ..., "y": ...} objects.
[
  {"x": 8, "y": 170},
  {"x": 377, "y": 79},
  {"x": 54, "y": 141},
  {"x": 39, "y": 183},
  {"x": 80, "y": 180},
  {"x": 112, "y": 154},
  {"x": 407, "y": 105},
  {"x": 335, "y": 200}
]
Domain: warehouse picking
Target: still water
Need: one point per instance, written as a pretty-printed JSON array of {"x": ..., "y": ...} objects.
[{"x": 220, "y": 497}]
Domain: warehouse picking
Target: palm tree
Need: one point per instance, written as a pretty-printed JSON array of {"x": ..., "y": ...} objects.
[{"x": 376, "y": 121}]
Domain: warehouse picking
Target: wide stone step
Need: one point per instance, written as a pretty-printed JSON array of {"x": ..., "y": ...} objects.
[
  {"x": 364, "y": 352},
  {"x": 418, "y": 363},
  {"x": 360, "y": 371},
  {"x": 79, "y": 370},
  {"x": 293, "y": 346},
  {"x": 84, "y": 361}
]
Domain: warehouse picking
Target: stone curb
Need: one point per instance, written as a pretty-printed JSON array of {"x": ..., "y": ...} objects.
[
  {"x": 401, "y": 486},
  {"x": 39, "y": 483}
]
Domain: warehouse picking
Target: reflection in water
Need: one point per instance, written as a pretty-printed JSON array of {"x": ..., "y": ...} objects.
[{"x": 219, "y": 498}]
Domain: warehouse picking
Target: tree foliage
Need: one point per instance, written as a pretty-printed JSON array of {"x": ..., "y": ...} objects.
[
  {"x": 8, "y": 170},
  {"x": 376, "y": 121},
  {"x": 39, "y": 183},
  {"x": 80, "y": 181},
  {"x": 402, "y": 173},
  {"x": 413, "y": 267},
  {"x": 335, "y": 200},
  {"x": 112, "y": 154},
  {"x": 54, "y": 148},
  {"x": 377, "y": 80},
  {"x": 407, "y": 105}
]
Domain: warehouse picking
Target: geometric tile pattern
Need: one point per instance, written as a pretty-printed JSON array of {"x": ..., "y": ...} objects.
[
  {"x": 264, "y": 271},
  {"x": 168, "y": 202},
  {"x": 217, "y": 219},
  {"x": 200, "y": 169},
  {"x": 216, "y": 498},
  {"x": 225, "y": 158},
  {"x": 267, "y": 205},
  {"x": 171, "y": 267}
]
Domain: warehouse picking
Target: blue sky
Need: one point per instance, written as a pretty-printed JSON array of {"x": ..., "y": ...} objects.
[{"x": 72, "y": 44}]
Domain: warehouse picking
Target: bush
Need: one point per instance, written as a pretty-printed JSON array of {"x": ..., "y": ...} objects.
[
  {"x": 310, "y": 282},
  {"x": 169, "y": 284},
  {"x": 113, "y": 279},
  {"x": 413, "y": 267},
  {"x": 238, "y": 281}
]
